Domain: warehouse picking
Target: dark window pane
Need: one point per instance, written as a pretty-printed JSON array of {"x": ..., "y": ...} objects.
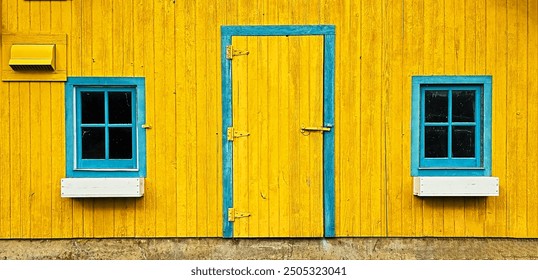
[
  {"x": 119, "y": 107},
  {"x": 463, "y": 141},
  {"x": 463, "y": 105},
  {"x": 436, "y": 106},
  {"x": 436, "y": 141},
  {"x": 120, "y": 143},
  {"x": 93, "y": 142},
  {"x": 93, "y": 107}
]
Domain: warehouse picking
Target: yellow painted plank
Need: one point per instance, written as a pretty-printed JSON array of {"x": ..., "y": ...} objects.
[
  {"x": 214, "y": 123},
  {"x": 253, "y": 127},
  {"x": 371, "y": 123},
  {"x": 4, "y": 5},
  {"x": 151, "y": 190},
  {"x": 127, "y": 14},
  {"x": 305, "y": 158},
  {"x": 347, "y": 129},
  {"x": 499, "y": 131},
  {"x": 512, "y": 131},
  {"x": 191, "y": 111},
  {"x": 532, "y": 145},
  {"x": 169, "y": 118},
  {"x": 162, "y": 94},
  {"x": 296, "y": 224},
  {"x": 490, "y": 66},
  {"x": 315, "y": 177},
  {"x": 15, "y": 159},
  {"x": 27, "y": 196},
  {"x": 181, "y": 123},
  {"x": 97, "y": 43},
  {"x": 417, "y": 57},
  {"x": 273, "y": 125},
  {"x": 521, "y": 113},
  {"x": 202, "y": 133},
  {"x": 34, "y": 164},
  {"x": 5, "y": 168},
  {"x": 284, "y": 180},
  {"x": 396, "y": 169},
  {"x": 263, "y": 134},
  {"x": 46, "y": 156}
]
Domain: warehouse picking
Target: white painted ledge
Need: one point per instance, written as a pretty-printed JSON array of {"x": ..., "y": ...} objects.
[
  {"x": 102, "y": 187},
  {"x": 456, "y": 186}
]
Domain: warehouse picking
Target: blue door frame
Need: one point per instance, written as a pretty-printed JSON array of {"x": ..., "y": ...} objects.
[{"x": 328, "y": 33}]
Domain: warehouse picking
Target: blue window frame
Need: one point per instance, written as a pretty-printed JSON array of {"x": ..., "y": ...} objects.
[
  {"x": 104, "y": 134},
  {"x": 451, "y": 126}
]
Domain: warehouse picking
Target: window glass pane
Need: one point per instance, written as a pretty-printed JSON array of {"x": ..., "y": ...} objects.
[
  {"x": 121, "y": 140},
  {"x": 463, "y": 141},
  {"x": 463, "y": 105},
  {"x": 436, "y": 107},
  {"x": 119, "y": 107},
  {"x": 93, "y": 142},
  {"x": 436, "y": 141},
  {"x": 93, "y": 107}
]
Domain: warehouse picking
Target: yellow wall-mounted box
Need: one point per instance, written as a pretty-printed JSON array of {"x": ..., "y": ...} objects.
[{"x": 34, "y": 57}]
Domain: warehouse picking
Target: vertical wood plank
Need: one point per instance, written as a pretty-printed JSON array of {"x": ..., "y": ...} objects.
[
  {"x": 150, "y": 198},
  {"x": 521, "y": 113},
  {"x": 169, "y": 117},
  {"x": 202, "y": 132},
  {"x": 181, "y": 123},
  {"x": 34, "y": 160},
  {"x": 532, "y": 91},
  {"x": 6, "y": 195},
  {"x": 160, "y": 98},
  {"x": 191, "y": 111}
]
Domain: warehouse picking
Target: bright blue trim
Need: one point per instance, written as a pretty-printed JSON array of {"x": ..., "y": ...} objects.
[
  {"x": 480, "y": 165},
  {"x": 277, "y": 30},
  {"x": 327, "y": 31},
  {"x": 227, "y": 146},
  {"x": 328, "y": 137},
  {"x": 97, "y": 168}
]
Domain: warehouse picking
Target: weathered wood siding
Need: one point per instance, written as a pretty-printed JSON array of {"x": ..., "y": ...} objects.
[{"x": 175, "y": 45}]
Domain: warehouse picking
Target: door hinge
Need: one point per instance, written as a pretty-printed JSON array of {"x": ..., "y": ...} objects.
[
  {"x": 232, "y": 214},
  {"x": 230, "y": 52},
  {"x": 232, "y": 134}
]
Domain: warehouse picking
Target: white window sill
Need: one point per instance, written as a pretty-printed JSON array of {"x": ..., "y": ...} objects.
[
  {"x": 456, "y": 186},
  {"x": 102, "y": 187}
]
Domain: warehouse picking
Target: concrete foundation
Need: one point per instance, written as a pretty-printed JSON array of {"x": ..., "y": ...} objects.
[{"x": 271, "y": 249}]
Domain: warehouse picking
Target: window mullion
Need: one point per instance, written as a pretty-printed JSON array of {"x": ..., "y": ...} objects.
[
  {"x": 107, "y": 152},
  {"x": 449, "y": 124},
  {"x": 478, "y": 129}
]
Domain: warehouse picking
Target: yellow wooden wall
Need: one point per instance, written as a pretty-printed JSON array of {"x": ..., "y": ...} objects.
[{"x": 175, "y": 44}]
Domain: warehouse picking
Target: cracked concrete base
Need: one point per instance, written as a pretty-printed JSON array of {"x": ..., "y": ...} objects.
[{"x": 270, "y": 249}]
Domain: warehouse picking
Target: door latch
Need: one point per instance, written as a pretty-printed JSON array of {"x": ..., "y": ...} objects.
[
  {"x": 232, "y": 215},
  {"x": 315, "y": 129}
]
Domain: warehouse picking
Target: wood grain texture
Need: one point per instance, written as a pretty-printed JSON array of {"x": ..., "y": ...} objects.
[{"x": 175, "y": 45}]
